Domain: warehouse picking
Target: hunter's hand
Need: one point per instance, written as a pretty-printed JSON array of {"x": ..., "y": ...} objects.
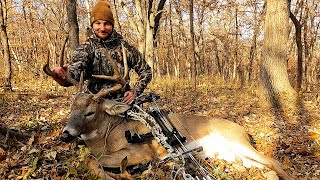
[
  {"x": 61, "y": 71},
  {"x": 129, "y": 97}
]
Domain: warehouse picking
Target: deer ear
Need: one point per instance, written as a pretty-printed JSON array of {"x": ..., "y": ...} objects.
[{"x": 114, "y": 107}]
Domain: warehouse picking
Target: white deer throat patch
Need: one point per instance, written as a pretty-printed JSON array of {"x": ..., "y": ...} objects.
[{"x": 90, "y": 135}]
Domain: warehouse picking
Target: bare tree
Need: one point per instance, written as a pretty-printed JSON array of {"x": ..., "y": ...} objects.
[
  {"x": 298, "y": 27},
  {"x": 194, "y": 63},
  {"x": 116, "y": 16},
  {"x": 273, "y": 68},
  {"x": 144, "y": 18},
  {"x": 5, "y": 44},
  {"x": 73, "y": 24},
  {"x": 253, "y": 47},
  {"x": 310, "y": 35}
]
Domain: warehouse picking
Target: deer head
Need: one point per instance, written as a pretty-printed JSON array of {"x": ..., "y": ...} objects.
[
  {"x": 88, "y": 110},
  {"x": 88, "y": 114}
]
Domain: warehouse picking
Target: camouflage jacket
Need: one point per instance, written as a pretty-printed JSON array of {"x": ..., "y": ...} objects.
[{"x": 88, "y": 58}]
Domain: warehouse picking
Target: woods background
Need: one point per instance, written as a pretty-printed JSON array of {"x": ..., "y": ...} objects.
[
  {"x": 224, "y": 60},
  {"x": 228, "y": 37}
]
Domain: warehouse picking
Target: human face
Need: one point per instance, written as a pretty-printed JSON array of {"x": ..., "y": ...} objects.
[{"x": 102, "y": 28}]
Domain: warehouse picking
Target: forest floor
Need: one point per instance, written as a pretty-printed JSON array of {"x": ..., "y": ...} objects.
[{"x": 40, "y": 117}]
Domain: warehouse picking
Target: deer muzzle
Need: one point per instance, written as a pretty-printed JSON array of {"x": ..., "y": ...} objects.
[
  {"x": 73, "y": 128},
  {"x": 66, "y": 136}
]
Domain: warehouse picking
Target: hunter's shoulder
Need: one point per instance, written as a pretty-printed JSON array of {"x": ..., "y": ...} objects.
[{"x": 129, "y": 47}]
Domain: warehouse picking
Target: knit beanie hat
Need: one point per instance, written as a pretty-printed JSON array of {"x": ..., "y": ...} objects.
[{"x": 101, "y": 11}]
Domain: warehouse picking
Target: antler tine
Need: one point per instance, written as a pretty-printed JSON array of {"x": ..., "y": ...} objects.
[
  {"x": 116, "y": 75},
  {"x": 49, "y": 72},
  {"x": 81, "y": 82},
  {"x": 61, "y": 58},
  {"x": 46, "y": 67},
  {"x": 125, "y": 64}
]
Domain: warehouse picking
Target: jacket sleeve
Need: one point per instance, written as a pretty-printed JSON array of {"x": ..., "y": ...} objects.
[
  {"x": 81, "y": 61},
  {"x": 143, "y": 70}
]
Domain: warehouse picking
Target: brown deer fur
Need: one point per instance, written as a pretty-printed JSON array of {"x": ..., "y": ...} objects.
[{"x": 105, "y": 134}]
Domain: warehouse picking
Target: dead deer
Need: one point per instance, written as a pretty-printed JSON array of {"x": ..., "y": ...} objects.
[
  {"x": 96, "y": 120},
  {"x": 103, "y": 132}
]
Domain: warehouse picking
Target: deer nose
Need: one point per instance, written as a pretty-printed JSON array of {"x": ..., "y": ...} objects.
[{"x": 66, "y": 136}]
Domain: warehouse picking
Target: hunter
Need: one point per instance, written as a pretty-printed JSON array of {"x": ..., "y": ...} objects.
[{"x": 87, "y": 58}]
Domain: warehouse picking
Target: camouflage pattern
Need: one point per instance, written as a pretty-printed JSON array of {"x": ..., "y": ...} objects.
[{"x": 88, "y": 58}]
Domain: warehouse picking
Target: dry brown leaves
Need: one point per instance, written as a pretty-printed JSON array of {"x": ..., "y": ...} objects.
[{"x": 295, "y": 146}]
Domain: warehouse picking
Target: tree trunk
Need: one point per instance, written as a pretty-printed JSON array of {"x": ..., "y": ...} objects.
[
  {"x": 6, "y": 49},
  {"x": 174, "y": 54},
  {"x": 117, "y": 17},
  {"x": 253, "y": 48},
  {"x": 273, "y": 68},
  {"x": 306, "y": 46},
  {"x": 298, "y": 27},
  {"x": 149, "y": 44},
  {"x": 200, "y": 43},
  {"x": 73, "y": 24},
  {"x": 158, "y": 17},
  {"x": 145, "y": 22},
  {"x": 236, "y": 63},
  {"x": 310, "y": 28},
  {"x": 182, "y": 42},
  {"x": 217, "y": 58},
  {"x": 225, "y": 64},
  {"x": 194, "y": 63},
  {"x": 88, "y": 11}
]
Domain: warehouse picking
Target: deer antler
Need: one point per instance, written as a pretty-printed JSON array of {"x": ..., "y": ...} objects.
[
  {"x": 49, "y": 72},
  {"x": 116, "y": 75}
]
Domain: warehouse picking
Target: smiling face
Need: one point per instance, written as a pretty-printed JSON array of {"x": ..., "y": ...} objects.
[{"x": 102, "y": 28}]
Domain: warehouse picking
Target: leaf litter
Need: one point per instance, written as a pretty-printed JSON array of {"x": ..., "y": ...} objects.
[{"x": 43, "y": 155}]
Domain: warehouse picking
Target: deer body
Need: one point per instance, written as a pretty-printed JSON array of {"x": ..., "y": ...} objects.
[
  {"x": 111, "y": 142},
  {"x": 104, "y": 133}
]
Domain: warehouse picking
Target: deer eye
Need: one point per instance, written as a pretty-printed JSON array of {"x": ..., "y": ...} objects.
[{"x": 89, "y": 114}]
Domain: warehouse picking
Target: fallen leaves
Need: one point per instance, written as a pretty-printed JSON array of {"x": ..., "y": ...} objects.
[
  {"x": 296, "y": 147},
  {"x": 286, "y": 162},
  {"x": 314, "y": 135},
  {"x": 3, "y": 154},
  {"x": 34, "y": 165},
  {"x": 271, "y": 175}
]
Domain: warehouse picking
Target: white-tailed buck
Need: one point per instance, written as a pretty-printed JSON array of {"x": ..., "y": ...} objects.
[{"x": 96, "y": 120}]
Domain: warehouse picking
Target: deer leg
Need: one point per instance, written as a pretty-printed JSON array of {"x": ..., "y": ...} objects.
[
  {"x": 96, "y": 167},
  {"x": 273, "y": 164},
  {"x": 253, "y": 155},
  {"x": 136, "y": 154},
  {"x": 93, "y": 165}
]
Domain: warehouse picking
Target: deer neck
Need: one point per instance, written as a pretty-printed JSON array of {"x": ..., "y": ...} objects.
[{"x": 99, "y": 144}]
